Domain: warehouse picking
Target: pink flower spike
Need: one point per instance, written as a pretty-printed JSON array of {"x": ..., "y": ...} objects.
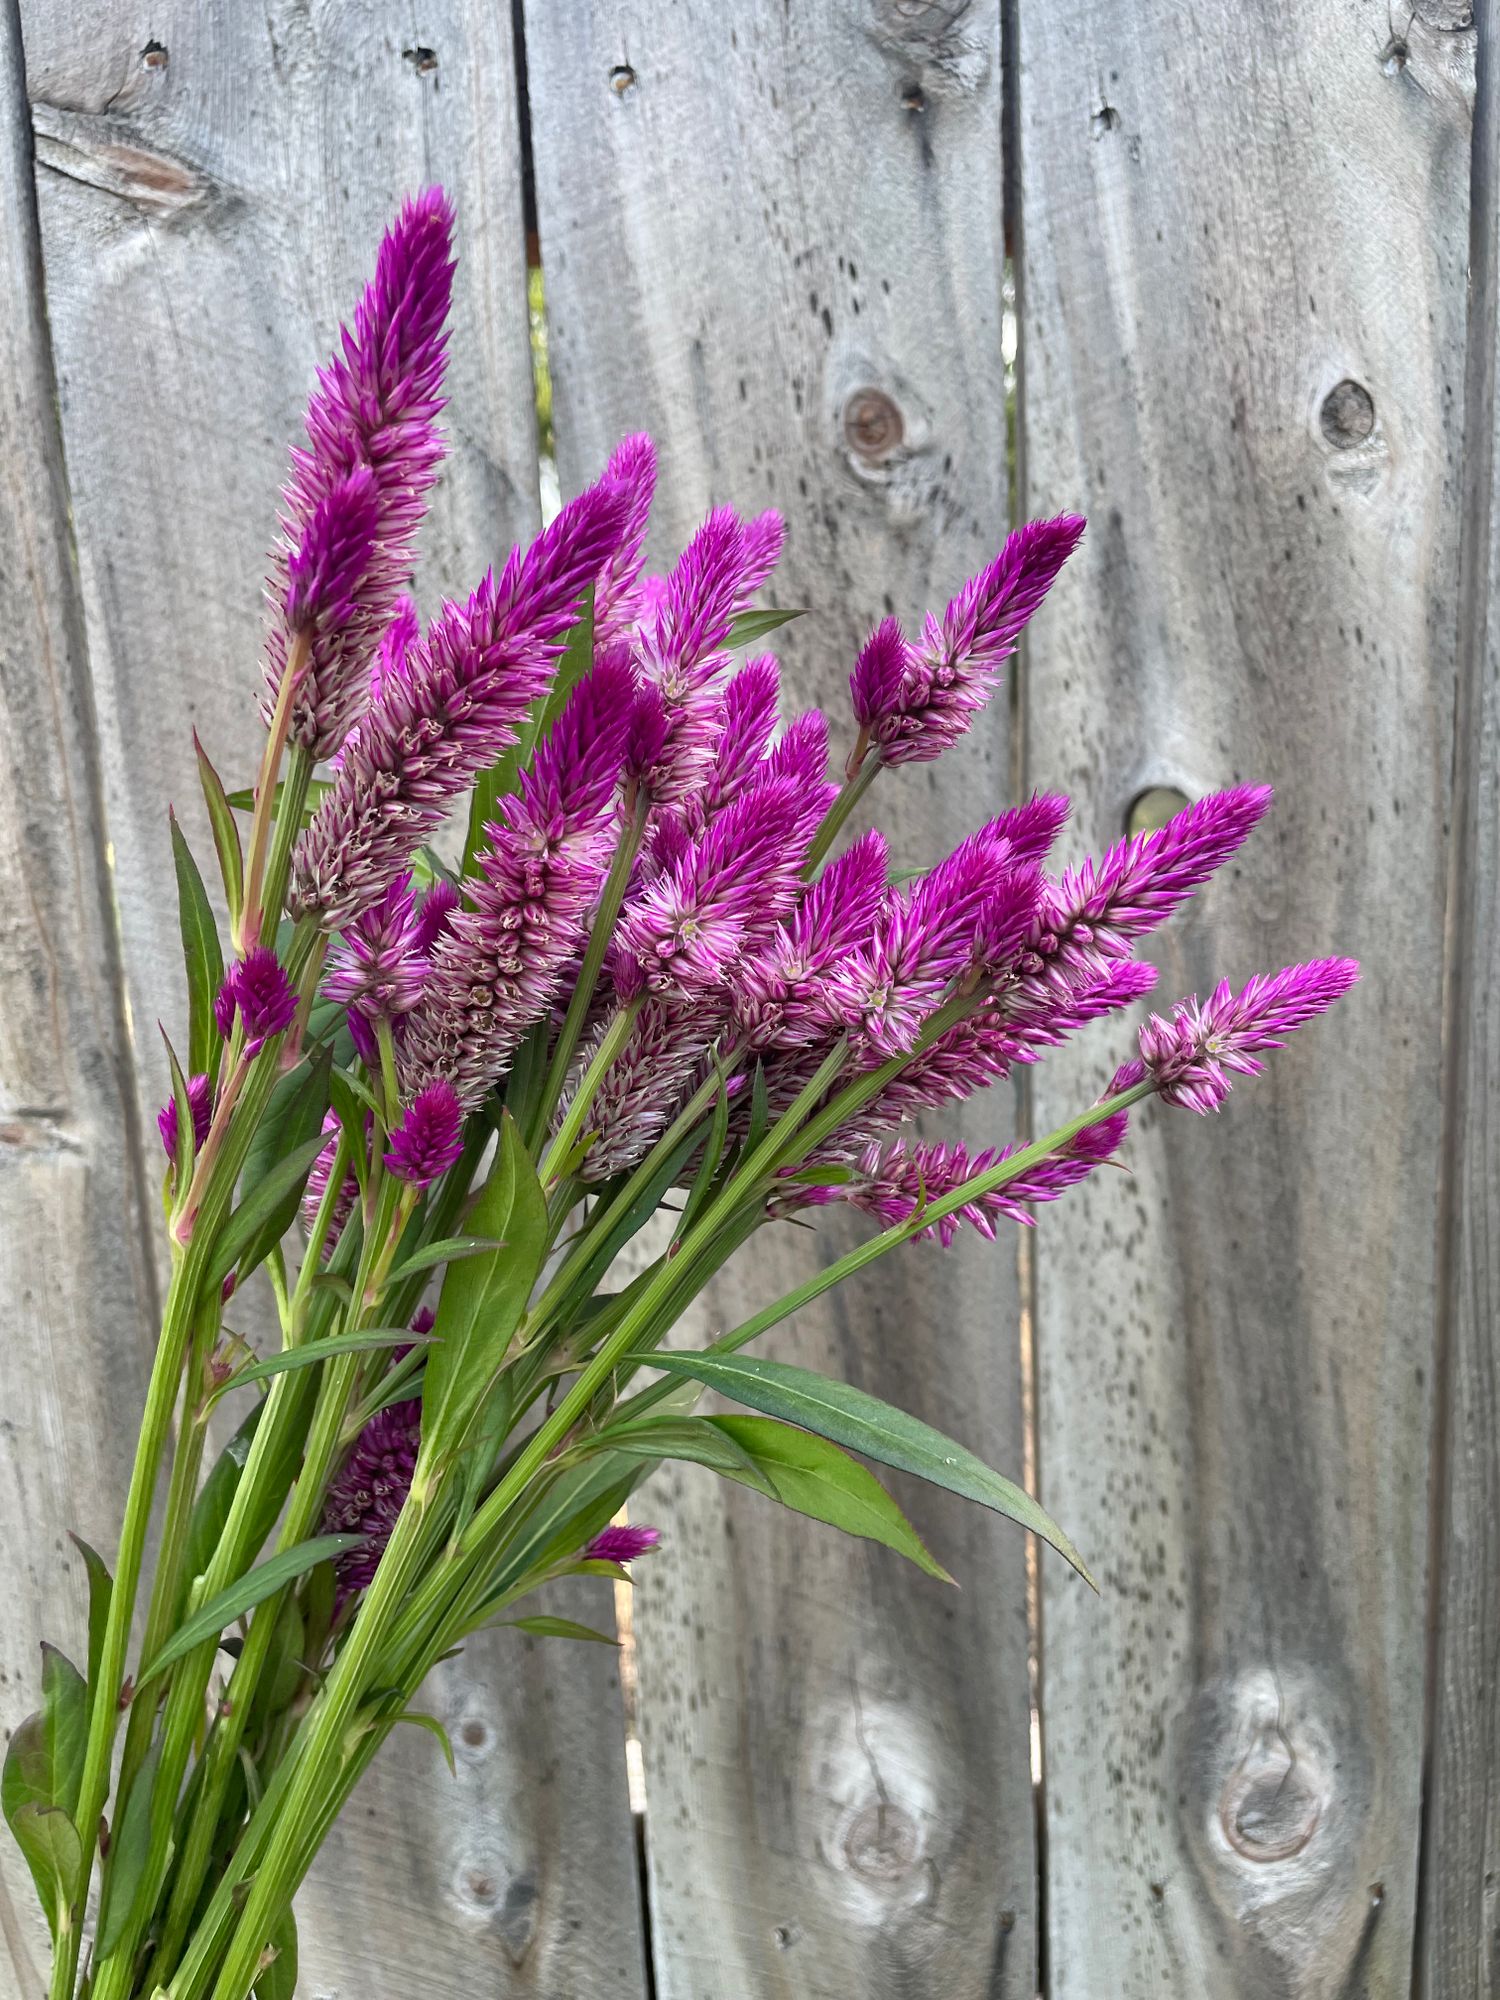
[
  {"x": 620, "y": 1544},
  {"x": 201, "y": 1105},
  {"x": 430, "y": 1136},
  {"x": 1192, "y": 1057}
]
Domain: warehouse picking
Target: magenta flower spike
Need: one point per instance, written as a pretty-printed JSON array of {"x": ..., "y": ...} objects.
[
  {"x": 379, "y": 968},
  {"x": 258, "y": 991},
  {"x": 747, "y": 725},
  {"x": 785, "y": 994},
  {"x": 468, "y": 685},
  {"x": 499, "y": 966},
  {"x": 619, "y": 1543},
  {"x": 318, "y": 1178},
  {"x": 617, "y": 592},
  {"x": 357, "y": 492},
  {"x": 912, "y": 701},
  {"x": 367, "y": 1493},
  {"x": 1192, "y": 1058},
  {"x": 200, "y": 1105},
  {"x": 430, "y": 1136}
]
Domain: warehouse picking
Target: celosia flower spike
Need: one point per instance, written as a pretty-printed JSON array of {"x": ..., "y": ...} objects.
[
  {"x": 430, "y": 1136},
  {"x": 379, "y": 968},
  {"x": 632, "y": 466},
  {"x": 619, "y": 1543},
  {"x": 258, "y": 990},
  {"x": 201, "y": 1107},
  {"x": 784, "y": 997},
  {"x": 468, "y": 684},
  {"x": 357, "y": 492},
  {"x": 367, "y": 1493},
  {"x": 1191, "y": 1058},
  {"x": 913, "y": 700}
]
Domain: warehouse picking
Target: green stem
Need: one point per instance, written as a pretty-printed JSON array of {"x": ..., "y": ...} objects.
[
  {"x": 299, "y": 770},
  {"x": 583, "y": 1098},
  {"x": 850, "y": 793}
]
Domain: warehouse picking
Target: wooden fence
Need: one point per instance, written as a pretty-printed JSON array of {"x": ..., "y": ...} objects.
[{"x": 1255, "y": 253}]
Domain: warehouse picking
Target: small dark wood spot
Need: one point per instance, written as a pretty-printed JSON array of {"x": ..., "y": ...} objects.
[
  {"x": 873, "y": 425},
  {"x": 154, "y": 56},
  {"x": 621, "y": 79},
  {"x": 423, "y": 60},
  {"x": 1347, "y": 416}
]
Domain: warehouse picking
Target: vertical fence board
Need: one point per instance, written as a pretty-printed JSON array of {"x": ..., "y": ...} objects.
[
  {"x": 72, "y": 1248},
  {"x": 1461, "y": 1852},
  {"x": 212, "y": 184},
  {"x": 1224, "y": 217},
  {"x": 772, "y": 237}
]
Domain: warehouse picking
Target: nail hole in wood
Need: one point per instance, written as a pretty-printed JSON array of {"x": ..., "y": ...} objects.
[
  {"x": 621, "y": 79},
  {"x": 154, "y": 56},
  {"x": 1153, "y": 807}
]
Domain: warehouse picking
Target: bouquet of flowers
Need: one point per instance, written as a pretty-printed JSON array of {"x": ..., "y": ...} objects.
[{"x": 656, "y": 966}]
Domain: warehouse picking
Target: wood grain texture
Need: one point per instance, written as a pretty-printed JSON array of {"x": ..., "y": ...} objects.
[
  {"x": 212, "y": 184},
  {"x": 1224, "y": 218},
  {"x": 74, "y": 1272},
  {"x": 772, "y": 237},
  {"x": 1460, "y": 1956}
]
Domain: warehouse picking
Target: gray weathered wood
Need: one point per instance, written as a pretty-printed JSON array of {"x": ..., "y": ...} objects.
[
  {"x": 772, "y": 237},
  {"x": 74, "y": 1270},
  {"x": 1225, "y": 215},
  {"x": 210, "y": 201},
  {"x": 1461, "y": 1849}
]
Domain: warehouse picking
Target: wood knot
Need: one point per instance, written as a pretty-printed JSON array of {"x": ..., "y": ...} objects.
[
  {"x": 882, "y": 1842},
  {"x": 1273, "y": 1799},
  {"x": 1347, "y": 415},
  {"x": 621, "y": 79},
  {"x": 873, "y": 425},
  {"x": 1150, "y": 810}
]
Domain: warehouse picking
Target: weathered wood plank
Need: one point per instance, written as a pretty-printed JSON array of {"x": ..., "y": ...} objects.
[
  {"x": 1225, "y": 216},
  {"x": 74, "y": 1272},
  {"x": 772, "y": 237},
  {"x": 1461, "y": 1848},
  {"x": 210, "y": 201}
]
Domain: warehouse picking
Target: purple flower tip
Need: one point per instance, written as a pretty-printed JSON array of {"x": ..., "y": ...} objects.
[
  {"x": 201, "y": 1104},
  {"x": 368, "y": 1491},
  {"x": 258, "y": 990},
  {"x": 430, "y": 1136},
  {"x": 1191, "y": 1058},
  {"x": 620, "y": 1544}
]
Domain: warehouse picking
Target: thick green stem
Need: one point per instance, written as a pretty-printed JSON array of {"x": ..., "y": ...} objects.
[{"x": 851, "y": 792}]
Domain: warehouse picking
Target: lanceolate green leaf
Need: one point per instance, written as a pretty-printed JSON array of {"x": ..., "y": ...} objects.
[
  {"x": 210, "y": 1619},
  {"x": 248, "y": 1232},
  {"x": 226, "y": 833},
  {"x": 100, "y": 1589},
  {"x": 201, "y": 951},
  {"x": 483, "y": 1297},
  {"x": 864, "y": 1424},
  {"x": 447, "y": 1250},
  {"x": 65, "y": 1707},
  {"x": 693, "y": 1439},
  {"x": 279, "y": 1979},
  {"x": 314, "y": 1351},
  {"x": 815, "y": 1477},
  {"x": 129, "y": 1845},
  {"x": 753, "y": 625},
  {"x": 40, "y": 1781},
  {"x": 542, "y": 1626}
]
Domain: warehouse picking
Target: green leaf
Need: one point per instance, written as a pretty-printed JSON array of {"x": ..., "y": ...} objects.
[
  {"x": 760, "y": 1108},
  {"x": 317, "y": 791},
  {"x": 282, "y": 1675},
  {"x": 129, "y": 1845},
  {"x": 434, "y": 1728},
  {"x": 226, "y": 833},
  {"x": 864, "y": 1424},
  {"x": 446, "y": 1250},
  {"x": 543, "y": 1627},
  {"x": 202, "y": 952},
  {"x": 753, "y": 625},
  {"x": 347, "y": 1103},
  {"x": 182, "y": 1152},
  {"x": 264, "y": 1216},
  {"x": 694, "y": 1439},
  {"x": 278, "y": 1981},
  {"x": 101, "y": 1588},
  {"x": 713, "y": 1153},
  {"x": 298, "y": 1127},
  {"x": 631, "y": 1219},
  {"x": 253, "y": 1588},
  {"x": 40, "y": 1782},
  {"x": 483, "y": 1297},
  {"x": 478, "y": 1457},
  {"x": 216, "y": 1496},
  {"x": 816, "y": 1478},
  {"x": 312, "y": 1352},
  {"x": 504, "y": 776}
]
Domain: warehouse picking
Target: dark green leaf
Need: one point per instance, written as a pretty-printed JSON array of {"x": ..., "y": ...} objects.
[
  {"x": 50, "y": 1846},
  {"x": 317, "y": 791},
  {"x": 292, "y": 1120},
  {"x": 282, "y": 1675},
  {"x": 202, "y": 952},
  {"x": 479, "y": 1455},
  {"x": 448, "y": 1250},
  {"x": 864, "y": 1424},
  {"x": 694, "y": 1439},
  {"x": 40, "y": 1782},
  {"x": 278, "y": 1980},
  {"x": 65, "y": 1707},
  {"x": 625, "y": 1225},
  {"x": 100, "y": 1590},
  {"x": 226, "y": 833},
  {"x": 708, "y": 1166},
  {"x": 253, "y": 1588},
  {"x": 814, "y": 1477},
  {"x": 570, "y": 1512},
  {"x": 216, "y": 1496},
  {"x": 760, "y": 1108},
  {"x": 264, "y": 1216},
  {"x": 351, "y": 1114},
  {"x": 129, "y": 1845},
  {"x": 312, "y": 1352},
  {"x": 483, "y": 1297},
  {"x": 544, "y": 1627},
  {"x": 753, "y": 625}
]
